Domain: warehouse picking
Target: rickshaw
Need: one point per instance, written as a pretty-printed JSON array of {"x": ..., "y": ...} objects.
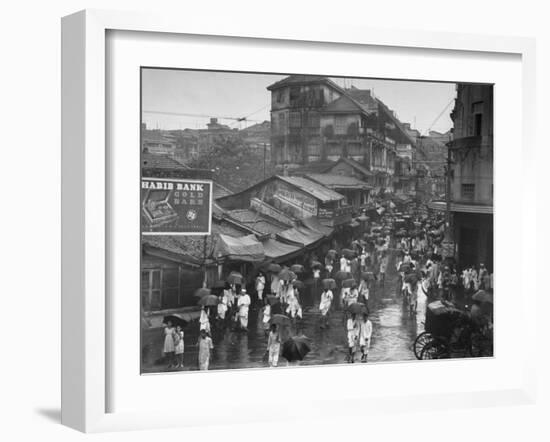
[{"x": 447, "y": 333}]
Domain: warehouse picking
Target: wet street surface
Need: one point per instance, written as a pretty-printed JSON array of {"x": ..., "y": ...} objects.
[{"x": 394, "y": 331}]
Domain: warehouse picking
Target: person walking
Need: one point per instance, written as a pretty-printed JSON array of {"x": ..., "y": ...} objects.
[
  {"x": 243, "y": 304},
  {"x": 352, "y": 328},
  {"x": 266, "y": 318},
  {"x": 324, "y": 306},
  {"x": 260, "y": 286},
  {"x": 205, "y": 349},
  {"x": 204, "y": 321},
  {"x": 169, "y": 345},
  {"x": 365, "y": 334},
  {"x": 179, "y": 347},
  {"x": 382, "y": 269},
  {"x": 273, "y": 346}
]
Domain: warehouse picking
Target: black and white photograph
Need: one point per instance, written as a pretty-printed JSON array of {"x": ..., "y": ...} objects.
[{"x": 304, "y": 219}]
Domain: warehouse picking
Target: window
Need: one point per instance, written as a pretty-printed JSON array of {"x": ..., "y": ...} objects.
[
  {"x": 314, "y": 120},
  {"x": 295, "y": 119},
  {"x": 280, "y": 96},
  {"x": 477, "y": 111},
  {"x": 294, "y": 95},
  {"x": 150, "y": 289},
  {"x": 281, "y": 129},
  {"x": 340, "y": 125},
  {"x": 468, "y": 191}
]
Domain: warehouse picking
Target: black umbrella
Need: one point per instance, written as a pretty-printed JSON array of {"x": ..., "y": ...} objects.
[
  {"x": 349, "y": 283},
  {"x": 298, "y": 284},
  {"x": 287, "y": 275},
  {"x": 280, "y": 319},
  {"x": 208, "y": 301},
  {"x": 340, "y": 275},
  {"x": 175, "y": 319},
  {"x": 367, "y": 276},
  {"x": 316, "y": 265},
  {"x": 199, "y": 293},
  {"x": 483, "y": 296},
  {"x": 273, "y": 267},
  {"x": 272, "y": 299},
  {"x": 297, "y": 268},
  {"x": 235, "y": 278},
  {"x": 357, "y": 308},
  {"x": 348, "y": 253},
  {"x": 329, "y": 283},
  {"x": 296, "y": 348}
]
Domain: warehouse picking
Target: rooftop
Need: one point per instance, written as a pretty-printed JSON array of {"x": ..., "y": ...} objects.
[
  {"x": 357, "y": 166},
  {"x": 160, "y": 161},
  {"x": 298, "y": 80},
  {"x": 336, "y": 181},
  {"x": 314, "y": 189},
  {"x": 256, "y": 221}
]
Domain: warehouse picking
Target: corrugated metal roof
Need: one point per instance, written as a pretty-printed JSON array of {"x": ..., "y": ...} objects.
[
  {"x": 276, "y": 250},
  {"x": 336, "y": 181},
  {"x": 312, "y": 188},
  {"x": 160, "y": 161},
  {"x": 256, "y": 221}
]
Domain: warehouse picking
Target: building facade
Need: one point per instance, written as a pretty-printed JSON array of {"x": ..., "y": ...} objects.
[
  {"x": 471, "y": 181},
  {"x": 315, "y": 120}
]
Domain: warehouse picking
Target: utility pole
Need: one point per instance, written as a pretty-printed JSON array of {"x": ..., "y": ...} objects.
[{"x": 264, "y": 158}]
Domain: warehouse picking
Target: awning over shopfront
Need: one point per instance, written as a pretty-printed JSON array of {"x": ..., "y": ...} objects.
[
  {"x": 244, "y": 248},
  {"x": 313, "y": 223},
  {"x": 277, "y": 251},
  {"x": 301, "y": 235},
  {"x": 465, "y": 208}
]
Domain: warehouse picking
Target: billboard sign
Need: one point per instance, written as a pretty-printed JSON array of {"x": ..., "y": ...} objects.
[{"x": 171, "y": 206}]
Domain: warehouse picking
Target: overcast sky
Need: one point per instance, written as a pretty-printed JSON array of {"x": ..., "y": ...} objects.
[{"x": 203, "y": 94}]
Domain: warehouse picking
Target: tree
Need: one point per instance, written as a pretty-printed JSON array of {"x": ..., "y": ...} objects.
[{"x": 237, "y": 166}]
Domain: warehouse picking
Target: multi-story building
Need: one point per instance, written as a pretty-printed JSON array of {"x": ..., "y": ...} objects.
[
  {"x": 315, "y": 120},
  {"x": 471, "y": 152}
]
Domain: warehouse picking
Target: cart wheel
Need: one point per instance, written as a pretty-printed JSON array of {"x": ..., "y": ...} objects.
[
  {"x": 420, "y": 342},
  {"x": 434, "y": 350}
]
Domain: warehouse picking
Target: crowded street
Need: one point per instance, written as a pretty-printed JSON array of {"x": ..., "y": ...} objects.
[
  {"x": 330, "y": 233},
  {"x": 394, "y": 333}
]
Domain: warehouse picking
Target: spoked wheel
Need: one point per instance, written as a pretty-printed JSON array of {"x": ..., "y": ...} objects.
[
  {"x": 434, "y": 350},
  {"x": 420, "y": 342}
]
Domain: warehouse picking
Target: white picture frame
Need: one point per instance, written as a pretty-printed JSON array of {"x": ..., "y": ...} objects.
[{"x": 85, "y": 203}]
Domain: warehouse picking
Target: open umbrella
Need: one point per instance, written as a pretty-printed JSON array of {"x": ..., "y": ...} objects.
[
  {"x": 406, "y": 266},
  {"x": 273, "y": 267},
  {"x": 332, "y": 252},
  {"x": 411, "y": 278},
  {"x": 272, "y": 299},
  {"x": 348, "y": 253},
  {"x": 208, "y": 301},
  {"x": 287, "y": 275},
  {"x": 298, "y": 284},
  {"x": 316, "y": 265},
  {"x": 349, "y": 283},
  {"x": 176, "y": 319},
  {"x": 296, "y": 348},
  {"x": 329, "y": 283},
  {"x": 203, "y": 291},
  {"x": 483, "y": 296},
  {"x": 340, "y": 275},
  {"x": 367, "y": 276},
  {"x": 357, "y": 308},
  {"x": 235, "y": 278},
  {"x": 297, "y": 268},
  {"x": 280, "y": 319}
]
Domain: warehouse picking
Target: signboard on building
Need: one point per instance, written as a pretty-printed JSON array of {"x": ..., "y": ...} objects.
[{"x": 171, "y": 206}]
